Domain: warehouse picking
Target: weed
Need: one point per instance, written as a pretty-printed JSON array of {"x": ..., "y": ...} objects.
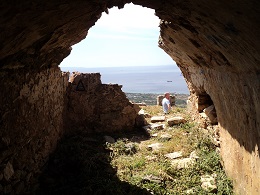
[
  {"x": 187, "y": 126},
  {"x": 127, "y": 167},
  {"x": 186, "y": 138}
]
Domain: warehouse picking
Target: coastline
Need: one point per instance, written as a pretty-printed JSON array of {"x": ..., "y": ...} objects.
[
  {"x": 151, "y": 98},
  {"x": 143, "y": 79}
]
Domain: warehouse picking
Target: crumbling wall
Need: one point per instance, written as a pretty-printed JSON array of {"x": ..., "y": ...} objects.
[
  {"x": 160, "y": 98},
  {"x": 96, "y": 107},
  {"x": 37, "y": 108},
  {"x": 31, "y": 123},
  {"x": 230, "y": 81}
]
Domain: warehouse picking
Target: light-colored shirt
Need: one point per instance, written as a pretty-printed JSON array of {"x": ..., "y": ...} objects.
[{"x": 165, "y": 105}]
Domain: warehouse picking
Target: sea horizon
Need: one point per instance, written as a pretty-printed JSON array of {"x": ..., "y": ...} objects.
[{"x": 140, "y": 79}]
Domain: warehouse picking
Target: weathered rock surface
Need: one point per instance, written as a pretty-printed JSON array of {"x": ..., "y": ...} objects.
[
  {"x": 175, "y": 120},
  {"x": 215, "y": 44},
  {"x": 155, "y": 119},
  {"x": 152, "y": 178},
  {"x": 211, "y": 113},
  {"x": 8, "y": 171},
  {"x": 97, "y": 107},
  {"x": 155, "y": 146},
  {"x": 109, "y": 139},
  {"x": 182, "y": 163},
  {"x": 157, "y": 126},
  {"x": 31, "y": 123},
  {"x": 209, "y": 183},
  {"x": 194, "y": 155},
  {"x": 173, "y": 155},
  {"x": 165, "y": 137}
]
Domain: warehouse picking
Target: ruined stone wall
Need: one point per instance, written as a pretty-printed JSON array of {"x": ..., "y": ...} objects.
[
  {"x": 31, "y": 123},
  {"x": 160, "y": 98},
  {"x": 237, "y": 105},
  {"x": 96, "y": 107},
  {"x": 39, "y": 107}
]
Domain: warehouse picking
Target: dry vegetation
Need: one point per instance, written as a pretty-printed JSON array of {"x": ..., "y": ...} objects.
[{"x": 86, "y": 164}]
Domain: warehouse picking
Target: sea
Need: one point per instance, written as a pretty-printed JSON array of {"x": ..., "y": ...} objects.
[{"x": 140, "y": 79}]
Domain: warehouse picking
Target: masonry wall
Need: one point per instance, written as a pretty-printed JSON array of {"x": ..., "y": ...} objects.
[
  {"x": 38, "y": 108},
  {"x": 215, "y": 46},
  {"x": 31, "y": 123},
  {"x": 96, "y": 107},
  {"x": 240, "y": 139}
]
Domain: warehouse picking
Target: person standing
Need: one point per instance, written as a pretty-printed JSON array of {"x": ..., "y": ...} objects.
[{"x": 166, "y": 103}]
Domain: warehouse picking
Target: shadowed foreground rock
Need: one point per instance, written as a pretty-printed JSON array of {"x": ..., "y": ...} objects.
[{"x": 81, "y": 165}]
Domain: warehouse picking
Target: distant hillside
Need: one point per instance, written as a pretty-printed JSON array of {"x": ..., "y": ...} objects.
[{"x": 151, "y": 98}]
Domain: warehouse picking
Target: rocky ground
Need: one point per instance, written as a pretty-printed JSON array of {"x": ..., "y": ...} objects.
[{"x": 170, "y": 155}]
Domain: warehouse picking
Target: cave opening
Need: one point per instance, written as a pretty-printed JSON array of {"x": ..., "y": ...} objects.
[
  {"x": 123, "y": 47},
  {"x": 219, "y": 38}
]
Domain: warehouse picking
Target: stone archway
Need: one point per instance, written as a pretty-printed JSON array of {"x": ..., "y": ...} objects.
[{"x": 215, "y": 44}]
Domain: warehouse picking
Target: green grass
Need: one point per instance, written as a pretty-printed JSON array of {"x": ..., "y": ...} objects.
[
  {"x": 186, "y": 137},
  {"x": 85, "y": 164}
]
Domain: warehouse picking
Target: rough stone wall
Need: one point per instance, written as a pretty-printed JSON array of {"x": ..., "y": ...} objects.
[
  {"x": 31, "y": 123},
  {"x": 160, "y": 98},
  {"x": 96, "y": 107},
  {"x": 215, "y": 47}
]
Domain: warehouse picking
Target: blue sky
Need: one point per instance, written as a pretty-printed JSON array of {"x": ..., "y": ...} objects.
[{"x": 124, "y": 37}]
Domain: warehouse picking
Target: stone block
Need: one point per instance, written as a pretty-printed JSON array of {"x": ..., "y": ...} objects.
[
  {"x": 155, "y": 146},
  {"x": 157, "y": 126},
  {"x": 155, "y": 119},
  {"x": 175, "y": 120},
  {"x": 173, "y": 155}
]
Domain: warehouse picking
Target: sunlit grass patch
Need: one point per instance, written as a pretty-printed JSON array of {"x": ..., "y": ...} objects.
[{"x": 151, "y": 170}]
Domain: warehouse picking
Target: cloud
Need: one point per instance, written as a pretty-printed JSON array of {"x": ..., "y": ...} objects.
[
  {"x": 125, "y": 37},
  {"x": 131, "y": 16},
  {"x": 132, "y": 23}
]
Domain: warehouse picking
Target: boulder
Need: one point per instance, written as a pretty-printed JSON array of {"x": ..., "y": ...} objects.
[
  {"x": 175, "y": 120},
  {"x": 140, "y": 120}
]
